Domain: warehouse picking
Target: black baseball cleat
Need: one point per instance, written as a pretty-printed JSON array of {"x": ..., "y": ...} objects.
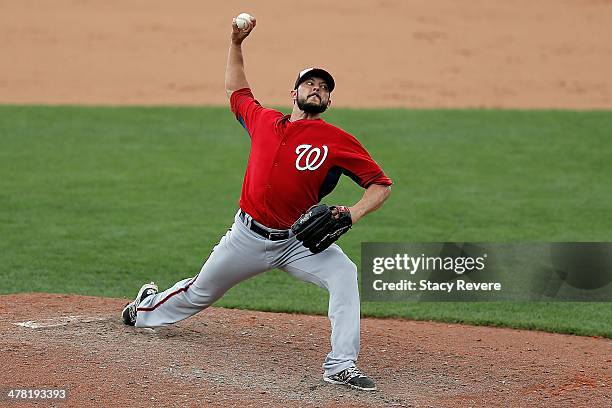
[
  {"x": 353, "y": 378},
  {"x": 129, "y": 311}
]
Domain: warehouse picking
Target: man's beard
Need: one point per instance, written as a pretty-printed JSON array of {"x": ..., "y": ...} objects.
[{"x": 311, "y": 106}]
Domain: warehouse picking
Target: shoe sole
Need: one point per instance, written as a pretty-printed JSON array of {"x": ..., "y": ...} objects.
[{"x": 329, "y": 380}]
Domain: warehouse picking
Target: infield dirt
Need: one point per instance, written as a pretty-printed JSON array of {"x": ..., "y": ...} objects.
[
  {"x": 442, "y": 53},
  {"x": 225, "y": 358}
]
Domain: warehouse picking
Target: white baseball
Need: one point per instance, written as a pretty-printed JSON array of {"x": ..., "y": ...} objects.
[{"x": 243, "y": 20}]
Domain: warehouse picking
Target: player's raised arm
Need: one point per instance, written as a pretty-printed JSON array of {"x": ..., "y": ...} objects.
[{"x": 235, "y": 78}]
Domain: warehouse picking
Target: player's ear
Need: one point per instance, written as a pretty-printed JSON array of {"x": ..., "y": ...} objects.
[
  {"x": 293, "y": 95},
  {"x": 328, "y": 103}
]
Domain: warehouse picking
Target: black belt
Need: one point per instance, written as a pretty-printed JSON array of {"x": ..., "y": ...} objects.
[{"x": 271, "y": 235}]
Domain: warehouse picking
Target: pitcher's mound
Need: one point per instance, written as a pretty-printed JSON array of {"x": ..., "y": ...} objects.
[{"x": 225, "y": 358}]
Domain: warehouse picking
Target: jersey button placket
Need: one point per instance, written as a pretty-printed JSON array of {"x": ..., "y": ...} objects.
[
  {"x": 283, "y": 143},
  {"x": 273, "y": 170}
]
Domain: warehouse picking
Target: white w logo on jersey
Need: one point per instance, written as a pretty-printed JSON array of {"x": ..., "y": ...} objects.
[{"x": 311, "y": 160}]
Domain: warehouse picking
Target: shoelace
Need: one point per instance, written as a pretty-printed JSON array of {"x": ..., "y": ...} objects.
[{"x": 350, "y": 372}]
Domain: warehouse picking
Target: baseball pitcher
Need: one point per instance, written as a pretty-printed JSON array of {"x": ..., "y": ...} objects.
[{"x": 295, "y": 160}]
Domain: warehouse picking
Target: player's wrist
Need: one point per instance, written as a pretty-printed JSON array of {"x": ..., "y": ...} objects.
[{"x": 356, "y": 214}]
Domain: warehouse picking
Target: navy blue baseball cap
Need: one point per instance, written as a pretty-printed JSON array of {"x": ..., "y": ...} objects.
[{"x": 315, "y": 72}]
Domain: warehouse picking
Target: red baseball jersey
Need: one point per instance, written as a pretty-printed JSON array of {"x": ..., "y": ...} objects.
[{"x": 293, "y": 165}]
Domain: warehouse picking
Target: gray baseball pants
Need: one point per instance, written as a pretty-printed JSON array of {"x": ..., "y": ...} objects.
[{"x": 242, "y": 254}]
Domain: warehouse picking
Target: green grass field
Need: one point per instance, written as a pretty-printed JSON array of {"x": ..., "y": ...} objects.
[{"x": 98, "y": 200}]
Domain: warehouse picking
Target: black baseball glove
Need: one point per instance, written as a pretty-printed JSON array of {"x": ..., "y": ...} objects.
[{"x": 321, "y": 226}]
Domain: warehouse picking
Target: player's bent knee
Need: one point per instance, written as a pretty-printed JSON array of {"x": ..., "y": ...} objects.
[{"x": 344, "y": 279}]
